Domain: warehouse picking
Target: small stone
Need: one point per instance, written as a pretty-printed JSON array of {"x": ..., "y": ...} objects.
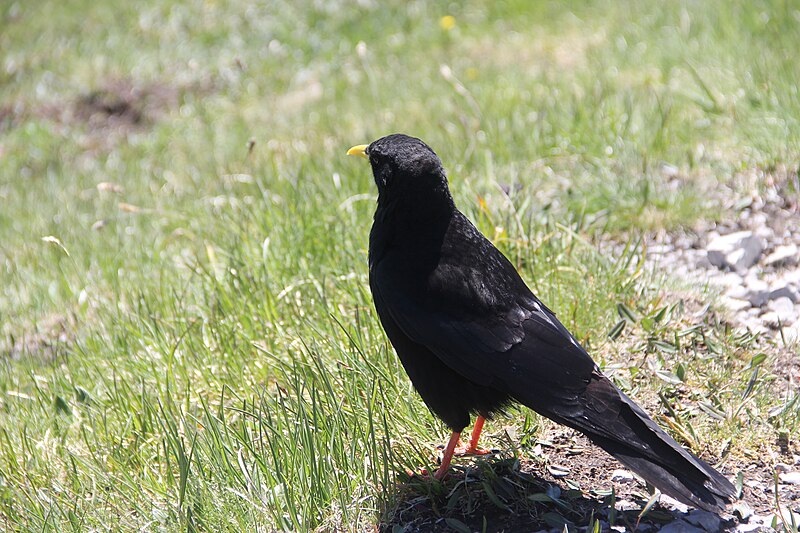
[
  {"x": 754, "y": 283},
  {"x": 622, "y": 476},
  {"x": 774, "y": 320},
  {"x": 792, "y": 333},
  {"x": 781, "y": 312},
  {"x": 755, "y": 325},
  {"x": 729, "y": 279},
  {"x": 736, "y": 251},
  {"x": 790, "y": 478},
  {"x": 735, "y": 304},
  {"x": 783, "y": 305},
  {"x": 743, "y": 510},
  {"x": 752, "y": 528},
  {"x": 558, "y": 470},
  {"x": 791, "y": 277},
  {"x": 739, "y": 291},
  {"x": 669, "y": 171},
  {"x": 784, "y": 291},
  {"x": 679, "y": 526},
  {"x": 672, "y": 503},
  {"x": 783, "y": 256},
  {"x": 760, "y": 292},
  {"x": 704, "y": 519}
]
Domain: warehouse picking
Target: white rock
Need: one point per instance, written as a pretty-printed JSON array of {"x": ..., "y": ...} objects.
[
  {"x": 622, "y": 476},
  {"x": 752, "y": 528},
  {"x": 783, "y": 256},
  {"x": 737, "y": 251},
  {"x": 792, "y": 333},
  {"x": 731, "y": 280},
  {"x": 791, "y": 478},
  {"x": 791, "y": 277},
  {"x": 669, "y": 171},
  {"x": 754, "y": 283},
  {"x": 672, "y": 503},
  {"x": 739, "y": 291},
  {"x": 783, "y": 306},
  {"x": 735, "y": 304},
  {"x": 743, "y": 510},
  {"x": 755, "y": 325},
  {"x": 704, "y": 519},
  {"x": 773, "y": 319}
]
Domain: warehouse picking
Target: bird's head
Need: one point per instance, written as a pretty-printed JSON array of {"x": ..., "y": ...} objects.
[{"x": 403, "y": 165}]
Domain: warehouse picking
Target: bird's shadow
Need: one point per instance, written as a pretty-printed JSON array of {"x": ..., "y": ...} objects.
[{"x": 496, "y": 494}]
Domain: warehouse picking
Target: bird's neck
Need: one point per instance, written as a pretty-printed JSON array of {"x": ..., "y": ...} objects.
[
  {"x": 411, "y": 224},
  {"x": 412, "y": 210}
]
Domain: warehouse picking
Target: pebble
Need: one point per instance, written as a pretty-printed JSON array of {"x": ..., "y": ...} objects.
[
  {"x": 622, "y": 476},
  {"x": 791, "y": 478},
  {"x": 785, "y": 255},
  {"x": 743, "y": 510},
  {"x": 753, "y": 528},
  {"x": 672, "y": 503},
  {"x": 761, "y": 290},
  {"x": 735, "y": 304},
  {"x": 792, "y": 333},
  {"x": 736, "y": 251},
  {"x": 785, "y": 291}
]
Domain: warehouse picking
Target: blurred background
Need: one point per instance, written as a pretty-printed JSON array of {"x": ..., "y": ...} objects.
[{"x": 186, "y": 334}]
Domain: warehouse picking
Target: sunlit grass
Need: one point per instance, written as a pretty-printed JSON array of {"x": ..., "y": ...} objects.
[{"x": 195, "y": 346}]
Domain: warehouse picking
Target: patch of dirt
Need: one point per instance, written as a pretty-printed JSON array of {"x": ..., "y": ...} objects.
[
  {"x": 125, "y": 104},
  {"x": 563, "y": 480},
  {"x": 43, "y": 340},
  {"x": 535, "y": 54},
  {"x": 10, "y": 117},
  {"x": 108, "y": 113}
]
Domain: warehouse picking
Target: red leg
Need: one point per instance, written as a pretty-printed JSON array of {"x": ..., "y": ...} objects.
[
  {"x": 473, "y": 449},
  {"x": 448, "y": 456}
]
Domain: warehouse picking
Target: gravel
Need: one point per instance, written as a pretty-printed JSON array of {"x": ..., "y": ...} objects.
[{"x": 752, "y": 263}]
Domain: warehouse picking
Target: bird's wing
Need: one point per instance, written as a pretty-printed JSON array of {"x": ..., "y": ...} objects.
[
  {"x": 501, "y": 335},
  {"x": 484, "y": 323}
]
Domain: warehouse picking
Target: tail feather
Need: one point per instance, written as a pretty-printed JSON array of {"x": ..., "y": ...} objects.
[
  {"x": 650, "y": 452},
  {"x": 618, "y": 425},
  {"x": 705, "y": 489}
]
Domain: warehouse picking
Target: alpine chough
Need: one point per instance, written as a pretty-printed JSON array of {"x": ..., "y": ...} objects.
[{"x": 473, "y": 337}]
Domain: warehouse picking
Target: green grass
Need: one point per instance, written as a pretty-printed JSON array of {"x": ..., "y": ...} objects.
[{"x": 210, "y": 358}]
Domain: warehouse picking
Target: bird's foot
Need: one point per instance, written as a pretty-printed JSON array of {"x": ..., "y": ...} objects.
[
  {"x": 422, "y": 474},
  {"x": 463, "y": 449}
]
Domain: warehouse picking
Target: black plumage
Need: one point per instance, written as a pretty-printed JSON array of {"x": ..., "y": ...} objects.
[{"x": 474, "y": 338}]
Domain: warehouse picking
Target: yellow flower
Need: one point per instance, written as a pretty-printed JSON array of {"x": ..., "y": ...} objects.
[{"x": 447, "y": 22}]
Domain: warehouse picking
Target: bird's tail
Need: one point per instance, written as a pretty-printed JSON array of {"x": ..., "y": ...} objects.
[{"x": 651, "y": 453}]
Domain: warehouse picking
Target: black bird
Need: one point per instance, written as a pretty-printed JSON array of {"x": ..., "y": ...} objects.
[{"x": 473, "y": 337}]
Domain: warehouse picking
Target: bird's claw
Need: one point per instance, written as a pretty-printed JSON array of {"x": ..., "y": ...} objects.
[{"x": 470, "y": 450}]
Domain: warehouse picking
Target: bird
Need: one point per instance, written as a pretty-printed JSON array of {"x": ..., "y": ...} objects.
[{"x": 474, "y": 339}]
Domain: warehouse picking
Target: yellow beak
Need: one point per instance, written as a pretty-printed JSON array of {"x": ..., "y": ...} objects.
[{"x": 359, "y": 150}]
